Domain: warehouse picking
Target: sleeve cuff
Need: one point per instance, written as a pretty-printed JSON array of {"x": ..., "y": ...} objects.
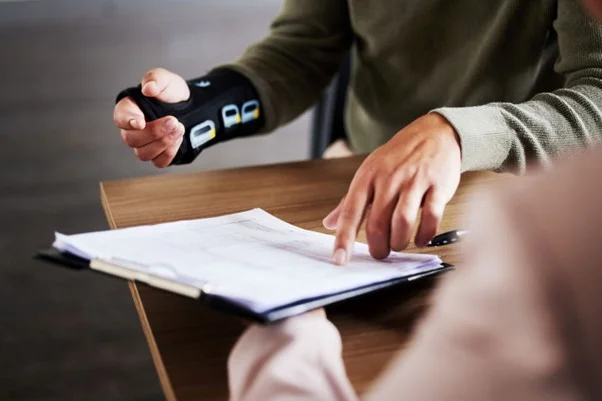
[
  {"x": 485, "y": 136},
  {"x": 311, "y": 327}
]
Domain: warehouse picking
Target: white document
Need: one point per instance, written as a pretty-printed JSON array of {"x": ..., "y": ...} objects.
[{"x": 252, "y": 258}]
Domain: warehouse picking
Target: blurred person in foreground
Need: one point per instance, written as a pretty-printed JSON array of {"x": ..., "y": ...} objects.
[
  {"x": 522, "y": 320},
  {"x": 437, "y": 87}
]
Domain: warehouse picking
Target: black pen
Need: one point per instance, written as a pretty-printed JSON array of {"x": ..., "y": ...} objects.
[{"x": 447, "y": 238}]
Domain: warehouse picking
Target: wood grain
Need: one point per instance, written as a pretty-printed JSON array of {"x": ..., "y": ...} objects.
[{"x": 190, "y": 343}]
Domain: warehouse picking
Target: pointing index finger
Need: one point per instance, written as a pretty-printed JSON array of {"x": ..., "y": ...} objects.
[{"x": 351, "y": 215}]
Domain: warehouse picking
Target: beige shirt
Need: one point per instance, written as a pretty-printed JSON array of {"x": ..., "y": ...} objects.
[{"x": 521, "y": 321}]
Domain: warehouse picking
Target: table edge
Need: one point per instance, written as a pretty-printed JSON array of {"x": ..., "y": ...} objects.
[{"x": 166, "y": 386}]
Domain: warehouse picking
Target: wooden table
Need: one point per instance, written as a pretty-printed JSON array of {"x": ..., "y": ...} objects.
[{"x": 190, "y": 343}]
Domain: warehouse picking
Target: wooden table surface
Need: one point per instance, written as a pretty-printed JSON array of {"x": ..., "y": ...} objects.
[{"x": 190, "y": 343}]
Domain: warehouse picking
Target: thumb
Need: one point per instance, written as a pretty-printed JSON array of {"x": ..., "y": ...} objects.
[{"x": 165, "y": 86}]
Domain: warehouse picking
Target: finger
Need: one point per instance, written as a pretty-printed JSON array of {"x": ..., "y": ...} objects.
[
  {"x": 405, "y": 214},
  {"x": 165, "y": 158},
  {"x": 165, "y": 127},
  {"x": 351, "y": 216},
  {"x": 432, "y": 212},
  {"x": 378, "y": 222},
  {"x": 127, "y": 115},
  {"x": 165, "y": 86},
  {"x": 152, "y": 150},
  {"x": 330, "y": 222}
]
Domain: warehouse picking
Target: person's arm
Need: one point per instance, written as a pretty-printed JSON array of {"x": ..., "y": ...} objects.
[
  {"x": 274, "y": 82},
  {"x": 291, "y": 67},
  {"x": 522, "y": 319},
  {"x": 297, "y": 359},
  {"x": 508, "y": 136}
]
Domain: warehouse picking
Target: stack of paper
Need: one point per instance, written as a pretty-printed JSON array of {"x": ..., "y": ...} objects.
[{"x": 252, "y": 259}]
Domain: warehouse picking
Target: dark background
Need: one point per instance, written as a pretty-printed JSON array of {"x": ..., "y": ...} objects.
[{"x": 68, "y": 336}]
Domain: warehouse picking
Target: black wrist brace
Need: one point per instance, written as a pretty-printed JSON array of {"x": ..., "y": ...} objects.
[{"x": 222, "y": 105}]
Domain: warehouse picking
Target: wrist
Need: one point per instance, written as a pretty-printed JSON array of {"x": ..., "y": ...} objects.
[
  {"x": 447, "y": 130},
  {"x": 221, "y": 105}
]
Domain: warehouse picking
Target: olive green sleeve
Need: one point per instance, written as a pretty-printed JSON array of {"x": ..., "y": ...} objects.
[
  {"x": 292, "y": 66},
  {"x": 507, "y": 136}
]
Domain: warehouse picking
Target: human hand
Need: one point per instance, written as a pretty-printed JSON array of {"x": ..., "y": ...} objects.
[
  {"x": 157, "y": 141},
  {"x": 419, "y": 167}
]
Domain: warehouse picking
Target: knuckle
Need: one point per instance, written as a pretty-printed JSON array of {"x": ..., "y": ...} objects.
[
  {"x": 170, "y": 153},
  {"x": 180, "y": 130},
  {"x": 410, "y": 169},
  {"x": 404, "y": 220},
  {"x": 347, "y": 214},
  {"x": 159, "y": 162},
  {"x": 400, "y": 244},
  {"x": 139, "y": 154},
  {"x": 376, "y": 229},
  {"x": 414, "y": 176},
  {"x": 343, "y": 237},
  {"x": 389, "y": 182},
  {"x": 165, "y": 141},
  {"x": 151, "y": 74},
  {"x": 428, "y": 173},
  {"x": 388, "y": 163},
  {"x": 125, "y": 137},
  {"x": 432, "y": 213},
  {"x": 116, "y": 115},
  {"x": 368, "y": 170},
  {"x": 148, "y": 76},
  {"x": 154, "y": 74},
  {"x": 142, "y": 155},
  {"x": 156, "y": 131}
]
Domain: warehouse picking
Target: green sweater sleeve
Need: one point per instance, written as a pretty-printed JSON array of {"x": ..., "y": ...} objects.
[
  {"x": 292, "y": 66},
  {"x": 505, "y": 136}
]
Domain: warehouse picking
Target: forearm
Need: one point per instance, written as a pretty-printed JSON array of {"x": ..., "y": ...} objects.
[
  {"x": 274, "y": 82},
  {"x": 291, "y": 67},
  {"x": 222, "y": 105},
  {"x": 299, "y": 358},
  {"x": 510, "y": 136}
]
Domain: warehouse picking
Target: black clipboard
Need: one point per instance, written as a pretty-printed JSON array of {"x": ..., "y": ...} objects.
[{"x": 228, "y": 306}]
